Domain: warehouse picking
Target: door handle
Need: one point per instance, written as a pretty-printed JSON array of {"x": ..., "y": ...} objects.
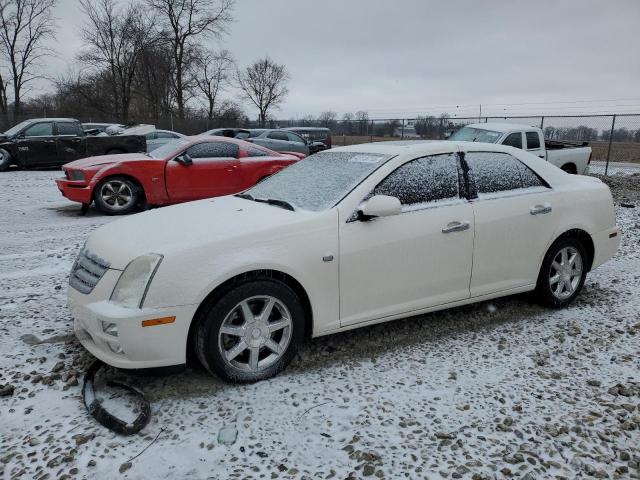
[
  {"x": 49, "y": 141},
  {"x": 540, "y": 209},
  {"x": 456, "y": 227}
]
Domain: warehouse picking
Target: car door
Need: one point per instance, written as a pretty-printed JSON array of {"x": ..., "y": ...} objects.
[
  {"x": 535, "y": 144},
  {"x": 514, "y": 221},
  {"x": 69, "y": 141},
  {"x": 276, "y": 140},
  {"x": 213, "y": 172},
  {"x": 419, "y": 258},
  {"x": 37, "y": 145},
  {"x": 297, "y": 143}
]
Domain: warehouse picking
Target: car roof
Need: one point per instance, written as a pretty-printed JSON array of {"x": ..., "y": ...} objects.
[
  {"x": 51, "y": 119},
  {"x": 501, "y": 127},
  {"x": 320, "y": 129}
]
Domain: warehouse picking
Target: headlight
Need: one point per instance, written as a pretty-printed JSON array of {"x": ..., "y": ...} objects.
[
  {"x": 76, "y": 175},
  {"x": 134, "y": 282}
]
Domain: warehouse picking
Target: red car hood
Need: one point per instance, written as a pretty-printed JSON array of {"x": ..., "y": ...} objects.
[{"x": 105, "y": 159}]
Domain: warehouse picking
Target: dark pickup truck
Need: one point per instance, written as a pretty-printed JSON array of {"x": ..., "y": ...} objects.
[{"x": 50, "y": 142}]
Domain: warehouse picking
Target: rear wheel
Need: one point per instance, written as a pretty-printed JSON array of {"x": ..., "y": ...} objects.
[
  {"x": 563, "y": 273},
  {"x": 570, "y": 168},
  {"x": 5, "y": 160},
  {"x": 117, "y": 196},
  {"x": 252, "y": 332}
]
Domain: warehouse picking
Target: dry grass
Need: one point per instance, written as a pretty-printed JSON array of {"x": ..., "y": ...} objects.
[{"x": 620, "y": 151}]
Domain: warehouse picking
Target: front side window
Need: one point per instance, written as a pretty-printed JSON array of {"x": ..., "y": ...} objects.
[
  {"x": 295, "y": 138},
  {"x": 67, "y": 128},
  {"x": 494, "y": 172},
  {"x": 44, "y": 129},
  {"x": 533, "y": 141},
  {"x": 513, "y": 140},
  {"x": 278, "y": 136},
  {"x": 422, "y": 181},
  {"x": 214, "y": 150}
]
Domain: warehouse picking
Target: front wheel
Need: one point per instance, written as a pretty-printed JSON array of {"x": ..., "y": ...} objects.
[
  {"x": 5, "y": 160},
  {"x": 117, "y": 196},
  {"x": 562, "y": 274},
  {"x": 252, "y": 333}
]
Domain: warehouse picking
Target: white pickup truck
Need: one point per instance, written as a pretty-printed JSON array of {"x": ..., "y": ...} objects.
[{"x": 572, "y": 157}]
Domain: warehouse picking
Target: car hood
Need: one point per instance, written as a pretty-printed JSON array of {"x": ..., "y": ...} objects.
[
  {"x": 183, "y": 228},
  {"x": 104, "y": 160}
]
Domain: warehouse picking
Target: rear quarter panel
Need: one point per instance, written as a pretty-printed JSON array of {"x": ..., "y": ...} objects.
[{"x": 124, "y": 143}]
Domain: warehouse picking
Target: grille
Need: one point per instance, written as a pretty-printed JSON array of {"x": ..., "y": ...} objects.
[{"x": 87, "y": 271}]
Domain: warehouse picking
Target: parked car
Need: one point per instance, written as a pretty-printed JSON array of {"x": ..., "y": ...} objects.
[
  {"x": 345, "y": 238},
  {"x": 318, "y": 138},
  {"x": 572, "y": 157},
  {"x": 96, "y": 128},
  {"x": 279, "y": 140},
  {"x": 158, "y": 138},
  {"x": 240, "y": 133},
  {"x": 184, "y": 169},
  {"x": 49, "y": 142}
]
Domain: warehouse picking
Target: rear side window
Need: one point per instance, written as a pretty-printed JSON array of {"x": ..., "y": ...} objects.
[
  {"x": 493, "y": 172},
  {"x": 214, "y": 150},
  {"x": 293, "y": 137},
  {"x": 513, "y": 140},
  {"x": 533, "y": 140},
  {"x": 278, "y": 136},
  {"x": 421, "y": 181},
  {"x": 255, "y": 152},
  {"x": 67, "y": 128}
]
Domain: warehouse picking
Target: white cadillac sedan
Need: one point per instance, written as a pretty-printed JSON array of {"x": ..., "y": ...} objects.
[{"x": 345, "y": 238}]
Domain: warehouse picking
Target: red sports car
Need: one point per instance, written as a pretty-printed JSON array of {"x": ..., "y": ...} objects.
[{"x": 188, "y": 168}]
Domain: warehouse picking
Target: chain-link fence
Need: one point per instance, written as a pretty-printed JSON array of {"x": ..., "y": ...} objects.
[{"x": 614, "y": 139}]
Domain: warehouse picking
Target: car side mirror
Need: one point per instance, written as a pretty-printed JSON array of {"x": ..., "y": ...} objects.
[
  {"x": 184, "y": 159},
  {"x": 379, "y": 206},
  {"x": 21, "y": 135}
]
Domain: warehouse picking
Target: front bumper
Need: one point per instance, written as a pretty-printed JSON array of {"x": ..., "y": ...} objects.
[
  {"x": 75, "y": 190},
  {"x": 142, "y": 347}
]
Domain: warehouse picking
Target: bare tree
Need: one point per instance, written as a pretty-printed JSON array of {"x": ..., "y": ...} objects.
[
  {"x": 185, "y": 22},
  {"x": 116, "y": 38},
  {"x": 264, "y": 83},
  {"x": 25, "y": 28},
  {"x": 327, "y": 119},
  {"x": 4, "y": 106},
  {"x": 211, "y": 75}
]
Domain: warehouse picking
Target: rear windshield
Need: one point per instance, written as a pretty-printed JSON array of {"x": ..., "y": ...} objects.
[
  {"x": 471, "y": 134},
  {"x": 319, "y": 181}
]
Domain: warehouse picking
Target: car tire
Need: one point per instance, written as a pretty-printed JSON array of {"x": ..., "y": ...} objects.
[
  {"x": 235, "y": 343},
  {"x": 117, "y": 196},
  {"x": 562, "y": 274},
  {"x": 5, "y": 160}
]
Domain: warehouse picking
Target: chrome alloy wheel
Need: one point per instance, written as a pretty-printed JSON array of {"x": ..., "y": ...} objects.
[
  {"x": 255, "y": 333},
  {"x": 565, "y": 273},
  {"x": 116, "y": 194}
]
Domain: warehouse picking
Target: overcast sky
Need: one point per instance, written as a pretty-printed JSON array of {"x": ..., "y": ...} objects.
[{"x": 399, "y": 58}]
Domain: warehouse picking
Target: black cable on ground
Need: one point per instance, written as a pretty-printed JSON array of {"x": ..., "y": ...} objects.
[{"x": 95, "y": 409}]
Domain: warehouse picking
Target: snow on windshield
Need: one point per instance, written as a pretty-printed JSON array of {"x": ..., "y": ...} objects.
[
  {"x": 470, "y": 134},
  {"x": 319, "y": 181}
]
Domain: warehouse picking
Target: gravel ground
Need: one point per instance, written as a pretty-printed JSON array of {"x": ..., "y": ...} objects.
[{"x": 500, "y": 389}]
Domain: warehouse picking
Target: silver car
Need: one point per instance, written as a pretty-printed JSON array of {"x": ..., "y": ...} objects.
[
  {"x": 158, "y": 138},
  {"x": 279, "y": 140}
]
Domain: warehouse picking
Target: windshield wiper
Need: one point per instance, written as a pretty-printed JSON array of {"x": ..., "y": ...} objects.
[
  {"x": 271, "y": 201},
  {"x": 276, "y": 202},
  {"x": 246, "y": 196}
]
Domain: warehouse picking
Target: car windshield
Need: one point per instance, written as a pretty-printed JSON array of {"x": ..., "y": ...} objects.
[
  {"x": 16, "y": 128},
  {"x": 170, "y": 148},
  {"x": 319, "y": 181},
  {"x": 470, "y": 134}
]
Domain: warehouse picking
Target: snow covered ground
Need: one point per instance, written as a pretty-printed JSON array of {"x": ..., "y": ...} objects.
[{"x": 495, "y": 390}]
